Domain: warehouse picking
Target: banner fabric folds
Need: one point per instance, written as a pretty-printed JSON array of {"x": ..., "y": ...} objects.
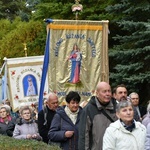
[
  {"x": 24, "y": 78},
  {"x": 78, "y": 56}
]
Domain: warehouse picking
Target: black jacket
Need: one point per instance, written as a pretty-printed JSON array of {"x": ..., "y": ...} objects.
[
  {"x": 7, "y": 129},
  {"x": 43, "y": 127}
]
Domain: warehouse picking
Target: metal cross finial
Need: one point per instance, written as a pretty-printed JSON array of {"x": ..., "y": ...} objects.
[
  {"x": 77, "y": 1},
  {"x": 25, "y": 49}
]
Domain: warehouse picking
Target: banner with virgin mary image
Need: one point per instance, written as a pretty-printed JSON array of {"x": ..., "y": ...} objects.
[
  {"x": 78, "y": 56},
  {"x": 24, "y": 78}
]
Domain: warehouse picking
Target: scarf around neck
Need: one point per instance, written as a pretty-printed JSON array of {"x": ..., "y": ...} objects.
[
  {"x": 128, "y": 127},
  {"x": 71, "y": 115},
  {"x": 8, "y": 119}
]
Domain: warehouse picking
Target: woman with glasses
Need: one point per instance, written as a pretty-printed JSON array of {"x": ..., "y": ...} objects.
[{"x": 26, "y": 128}]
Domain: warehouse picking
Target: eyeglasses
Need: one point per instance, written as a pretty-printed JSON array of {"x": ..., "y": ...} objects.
[{"x": 134, "y": 98}]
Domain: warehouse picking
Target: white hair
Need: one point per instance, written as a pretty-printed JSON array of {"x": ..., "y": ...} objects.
[
  {"x": 133, "y": 93},
  {"x": 148, "y": 107},
  {"x": 7, "y": 107}
]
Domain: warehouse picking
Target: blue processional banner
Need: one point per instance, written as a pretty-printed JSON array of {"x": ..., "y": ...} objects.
[{"x": 78, "y": 56}]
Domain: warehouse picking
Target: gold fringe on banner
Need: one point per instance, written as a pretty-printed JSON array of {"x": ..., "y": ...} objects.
[
  {"x": 74, "y": 27},
  {"x": 78, "y": 56}
]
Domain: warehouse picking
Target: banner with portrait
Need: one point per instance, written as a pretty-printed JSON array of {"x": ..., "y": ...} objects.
[
  {"x": 78, "y": 56},
  {"x": 24, "y": 78}
]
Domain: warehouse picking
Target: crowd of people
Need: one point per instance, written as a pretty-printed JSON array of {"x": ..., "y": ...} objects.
[{"x": 109, "y": 120}]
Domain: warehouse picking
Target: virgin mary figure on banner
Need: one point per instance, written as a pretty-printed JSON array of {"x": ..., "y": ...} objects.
[
  {"x": 75, "y": 57},
  {"x": 30, "y": 88}
]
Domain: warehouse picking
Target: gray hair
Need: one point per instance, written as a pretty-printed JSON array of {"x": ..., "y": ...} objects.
[
  {"x": 22, "y": 108},
  {"x": 6, "y": 107},
  {"x": 148, "y": 107},
  {"x": 123, "y": 104},
  {"x": 133, "y": 93}
]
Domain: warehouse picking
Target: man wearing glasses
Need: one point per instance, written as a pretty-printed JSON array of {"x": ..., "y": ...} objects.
[{"x": 141, "y": 111}]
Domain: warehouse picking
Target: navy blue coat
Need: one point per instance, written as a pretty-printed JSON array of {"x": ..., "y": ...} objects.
[{"x": 60, "y": 124}]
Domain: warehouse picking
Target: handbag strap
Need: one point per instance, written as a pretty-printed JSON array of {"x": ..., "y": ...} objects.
[{"x": 104, "y": 112}]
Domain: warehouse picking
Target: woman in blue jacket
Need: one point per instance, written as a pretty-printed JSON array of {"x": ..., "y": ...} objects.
[{"x": 64, "y": 126}]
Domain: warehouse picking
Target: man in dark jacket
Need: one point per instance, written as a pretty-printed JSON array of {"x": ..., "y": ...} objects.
[
  {"x": 64, "y": 127},
  {"x": 141, "y": 110},
  {"x": 46, "y": 115},
  {"x": 120, "y": 93},
  {"x": 95, "y": 118}
]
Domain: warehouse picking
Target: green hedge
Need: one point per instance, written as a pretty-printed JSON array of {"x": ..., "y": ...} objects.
[{"x": 9, "y": 143}]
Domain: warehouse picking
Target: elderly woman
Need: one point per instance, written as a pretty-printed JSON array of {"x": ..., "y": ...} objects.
[
  {"x": 146, "y": 118},
  {"x": 64, "y": 126},
  {"x": 146, "y": 123},
  {"x": 26, "y": 128},
  {"x": 6, "y": 120},
  {"x": 147, "y": 141},
  {"x": 125, "y": 133}
]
